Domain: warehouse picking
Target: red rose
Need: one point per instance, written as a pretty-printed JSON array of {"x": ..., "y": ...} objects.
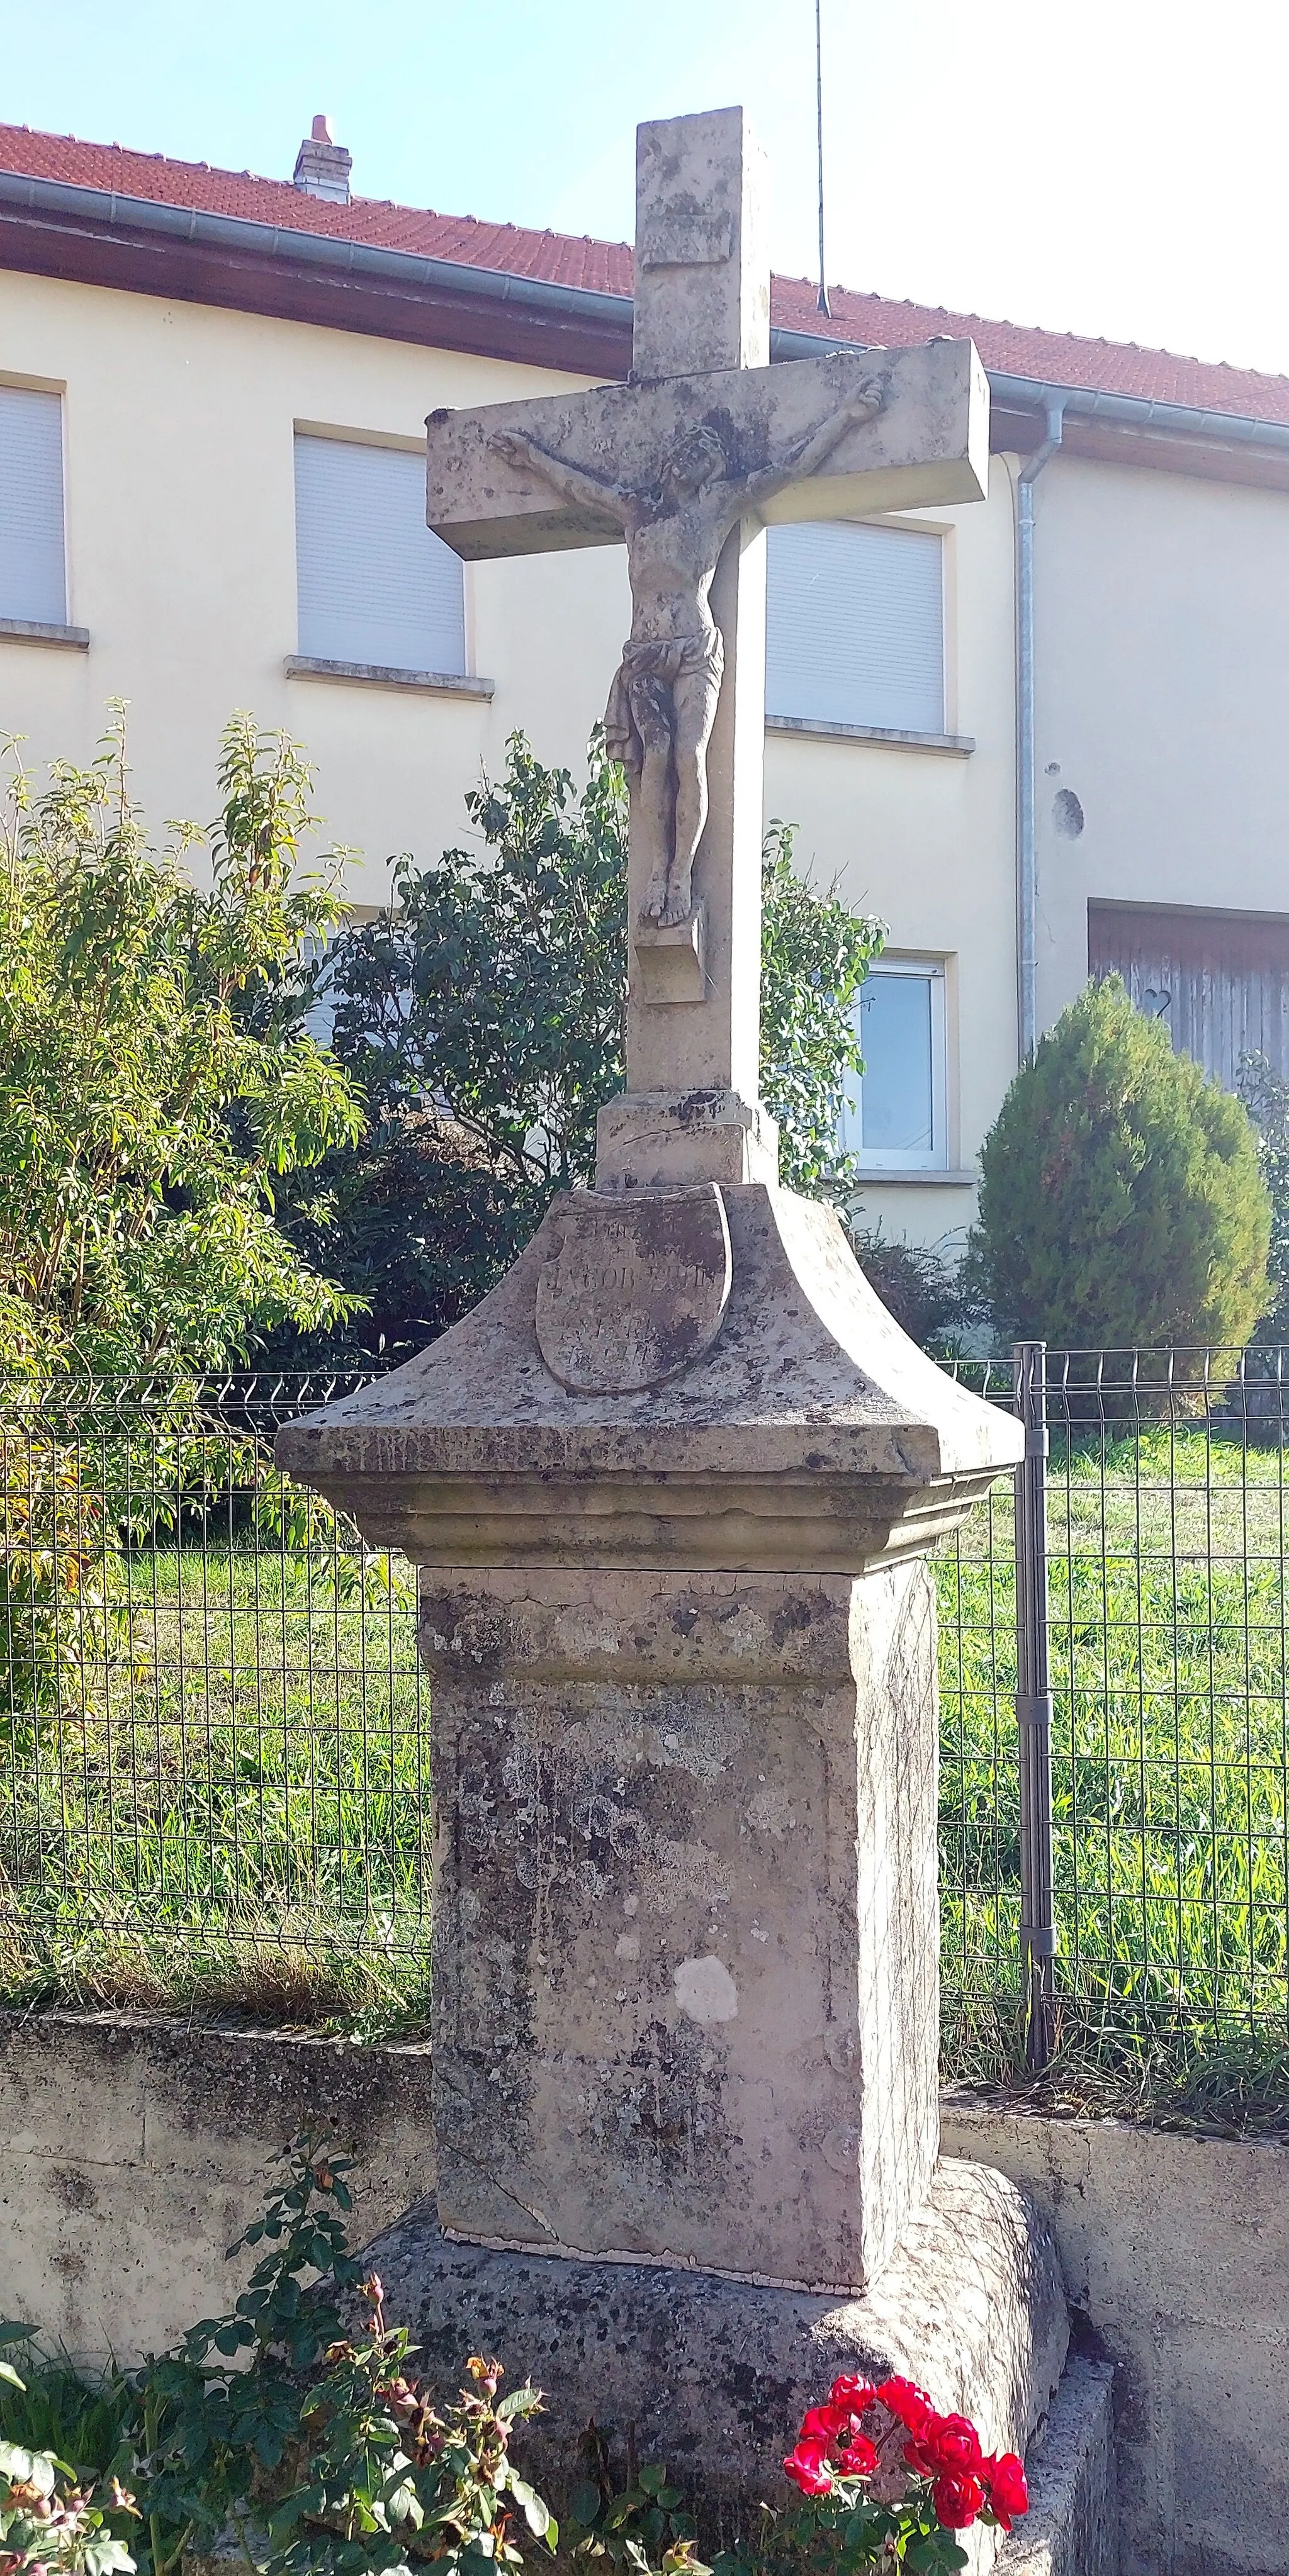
[
  {"x": 824, "y": 2424},
  {"x": 950, "y": 2442},
  {"x": 859, "y": 2459},
  {"x": 957, "y": 2499},
  {"x": 909, "y": 2404},
  {"x": 808, "y": 2468},
  {"x": 853, "y": 2394},
  {"x": 1008, "y": 2493}
]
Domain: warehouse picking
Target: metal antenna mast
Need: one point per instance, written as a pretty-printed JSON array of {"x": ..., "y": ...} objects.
[{"x": 823, "y": 304}]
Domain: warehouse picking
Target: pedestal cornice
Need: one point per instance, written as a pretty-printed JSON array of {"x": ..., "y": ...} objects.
[{"x": 810, "y": 1435}]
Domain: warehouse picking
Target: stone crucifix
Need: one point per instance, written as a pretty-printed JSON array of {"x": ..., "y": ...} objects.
[
  {"x": 664, "y": 698},
  {"x": 667, "y": 1488},
  {"x": 688, "y": 462}
]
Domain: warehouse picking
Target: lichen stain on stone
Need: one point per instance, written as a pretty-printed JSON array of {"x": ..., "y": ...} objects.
[
  {"x": 797, "y": 1612},
  {"x": 661, "y": 2117},
  {"x": 693, "y": 1740},
  {"x": 705, "y": 1990},
  {"x": 770, "y": 1811},
  {"x": 677, "y": 1873}
]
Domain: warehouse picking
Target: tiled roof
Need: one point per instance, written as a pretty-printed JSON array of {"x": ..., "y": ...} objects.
[
  {"x": 1053, "y": 357},
  {"x": 1045, "y": 357}
]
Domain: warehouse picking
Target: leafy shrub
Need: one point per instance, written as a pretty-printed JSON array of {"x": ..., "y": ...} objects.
[
  {"x": 815, "y": 953},
  {"x": 297, "y": 2428},
  {"x": 60, "y": 1560},
  {"x": 415, "y": 1223},
  {"x": 54, "y": 2512},
  {"x": 915, "y": 1282},
  {"x": 1121, "y": 1205},
  {"x": 1265, "y": 1094},
  {"x": 156, "y": 1082}
]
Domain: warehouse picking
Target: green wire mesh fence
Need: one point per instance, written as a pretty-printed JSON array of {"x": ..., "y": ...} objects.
[
  {"x": 1168, "y": 1877},
  {"x": 214, "y": 1734}
]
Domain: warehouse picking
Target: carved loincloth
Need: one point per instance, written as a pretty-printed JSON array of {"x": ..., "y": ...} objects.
[{"x": 678, "y": 657}]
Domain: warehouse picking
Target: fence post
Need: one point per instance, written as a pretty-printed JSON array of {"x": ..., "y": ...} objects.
[{"x": 1034, "y": 1708}]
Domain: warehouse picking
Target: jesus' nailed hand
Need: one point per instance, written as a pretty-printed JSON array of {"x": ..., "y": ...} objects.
[{"x": 662, "y": 704}]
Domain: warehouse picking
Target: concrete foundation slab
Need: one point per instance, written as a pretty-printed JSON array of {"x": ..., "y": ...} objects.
[{"x": 714, "y": 2375}]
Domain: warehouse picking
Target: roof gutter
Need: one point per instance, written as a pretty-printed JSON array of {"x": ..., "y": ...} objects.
[
  {"x": 1125, "y": 411},
  {"x": 325, "y": 251},
  {"x": 1134, "y": 411},
  {"x": 54, "y": 204},
  {"x": 97, "y": 237}
]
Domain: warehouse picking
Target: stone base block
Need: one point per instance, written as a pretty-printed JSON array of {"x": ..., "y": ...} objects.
[
  {"x": 714, "y": 2375},
  {"x": 1071, "y": 2528},
  {"x": 650, "y": 1139}
]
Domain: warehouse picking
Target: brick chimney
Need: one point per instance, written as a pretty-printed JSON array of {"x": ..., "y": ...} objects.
[{"x": 322, "y": 167}]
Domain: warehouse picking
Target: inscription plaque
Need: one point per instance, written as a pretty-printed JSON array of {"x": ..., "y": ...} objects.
[{"x": 637, "y": 1290}]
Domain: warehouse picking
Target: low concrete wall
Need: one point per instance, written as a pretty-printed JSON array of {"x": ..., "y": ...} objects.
[
  {"x": 1176, "y": 2259},
  {"x": 133, "y": 2151}
]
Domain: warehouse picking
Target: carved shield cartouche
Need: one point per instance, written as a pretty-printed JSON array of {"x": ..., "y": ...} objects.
[{"x": 637, "y": 1290}]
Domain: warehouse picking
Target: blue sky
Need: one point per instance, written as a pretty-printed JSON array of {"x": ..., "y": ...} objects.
[{"x": 1115, "y": 167}]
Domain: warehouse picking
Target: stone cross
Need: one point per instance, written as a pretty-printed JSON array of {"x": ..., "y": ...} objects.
[
  {"x": 687, "y": 462},
  {"x": 667, "y": 1488}
]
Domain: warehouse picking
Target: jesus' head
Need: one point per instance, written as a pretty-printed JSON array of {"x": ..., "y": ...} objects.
[{"x": 697, "y": 458}]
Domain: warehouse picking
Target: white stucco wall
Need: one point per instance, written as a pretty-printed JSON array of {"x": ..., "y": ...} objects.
[
  {"x": 179, "y": 424},
  {"x": 926, "y": 840},
  {"x": 1162, "y": 638}
]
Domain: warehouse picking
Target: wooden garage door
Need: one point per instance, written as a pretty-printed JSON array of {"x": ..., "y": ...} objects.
[{"x": 1219, "y": 979}]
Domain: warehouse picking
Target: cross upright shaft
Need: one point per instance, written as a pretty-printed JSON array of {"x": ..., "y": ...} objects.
[{"x": 702, "y": 306}]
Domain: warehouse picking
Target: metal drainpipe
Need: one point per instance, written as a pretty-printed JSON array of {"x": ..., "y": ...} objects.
[{"x": 1026, "y": 860}]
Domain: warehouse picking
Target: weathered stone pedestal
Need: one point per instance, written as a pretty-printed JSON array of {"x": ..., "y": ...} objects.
[
  {"x": 670, "y": 1487},
  {"x": 685, "y": 1919}
]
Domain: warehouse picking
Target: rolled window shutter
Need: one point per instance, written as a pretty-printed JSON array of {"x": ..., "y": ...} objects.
[
  {"x": 374, "y": 584},
  {"x": 855, "y": 626},
  {"x": 33, "y": 572}
]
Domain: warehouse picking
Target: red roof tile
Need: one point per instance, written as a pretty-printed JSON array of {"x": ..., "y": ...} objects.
[{"x": 1054, "y": 357}]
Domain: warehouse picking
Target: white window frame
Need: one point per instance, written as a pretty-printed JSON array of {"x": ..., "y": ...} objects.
[
  {"x": 878, "y": 722},
  {"x": 935, "y": 1158},
  {"x": 331, "y": 436},
  {"x": 44, "y": 385}
]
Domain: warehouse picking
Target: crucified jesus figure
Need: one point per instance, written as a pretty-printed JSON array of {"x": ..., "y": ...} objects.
[{"x": 662, "y": 704}]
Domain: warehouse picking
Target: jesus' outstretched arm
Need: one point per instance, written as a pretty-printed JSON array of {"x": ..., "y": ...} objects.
[
  {"x": 574, "y": 483},
  {"x": 807, "y": 454}
]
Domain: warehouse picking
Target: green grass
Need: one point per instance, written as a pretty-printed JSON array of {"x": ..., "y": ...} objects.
[
  {"x": 1168, "y": 1625},
  {"x": 239, "y": 1817}
]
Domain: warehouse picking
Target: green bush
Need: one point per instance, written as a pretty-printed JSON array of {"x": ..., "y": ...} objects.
[
  {"x": 1121, "y": 1204},
  {"x": 916, "y": 1282},
  {"x": 1265, "y": 1094},
  {"x": 155, "y": 1088}
]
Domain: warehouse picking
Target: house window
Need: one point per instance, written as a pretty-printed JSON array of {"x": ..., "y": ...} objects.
[
  {"x": 33, "y": 572},
  {"x": 1219, "y": 981},
  {"x": 855, "y": 626},
  {"x": 895, "y": 1113},
  {"x": 375, "y": 585}
]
